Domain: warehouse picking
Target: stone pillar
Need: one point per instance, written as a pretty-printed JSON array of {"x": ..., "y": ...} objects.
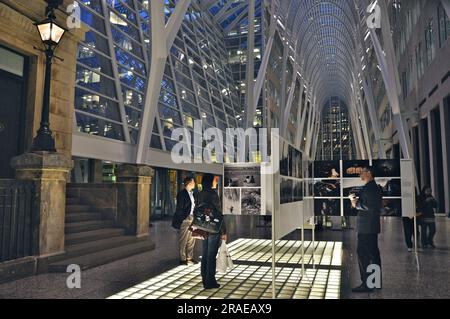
[
  {"x": 133, "y": 198},
  {"x": 95, "y": 171},
  {"x": 50, "y": 171}
]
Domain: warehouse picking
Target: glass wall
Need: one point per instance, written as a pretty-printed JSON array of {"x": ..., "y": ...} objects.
[
  {"x": 336, "y": 139},
  {"x": 114, "y": 63}
]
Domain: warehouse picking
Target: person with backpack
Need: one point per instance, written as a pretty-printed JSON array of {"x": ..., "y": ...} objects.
[
  {"x": 208, "y": 197},
  {"x": 182, "y": 221}
]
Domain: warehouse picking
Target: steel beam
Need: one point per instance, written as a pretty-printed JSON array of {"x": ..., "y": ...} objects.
[
  {"x": 250, "y": 73},
  {"x": 165, "y": 36}
]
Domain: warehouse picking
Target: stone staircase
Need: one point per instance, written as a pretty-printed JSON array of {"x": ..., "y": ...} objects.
[{"x": 91, "y": 240}]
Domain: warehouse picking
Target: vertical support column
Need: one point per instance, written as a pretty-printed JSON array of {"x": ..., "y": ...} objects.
[
  {"x": 445, "y": 129},
  {"x": 50, "y": 171},
  {"x": 163, "y": 35},
  {"x": 388, "y": 65},
  {"x": 301, "y": 128},
  {"x": 362, "y": 115},
  {"x": 423, "y": 154},
  {"x": 134, "y": 191},
  {"x": 309, "y": 133},
  {"x": 250, "y": 73},
  {"x": 356, "y": 127},
  {"x": 283, "y": 88},
  {"x": 264, "y": 63},
  {"x": 290, "y": 99},
  {"x": 433, "y": 155},
  {"x": 95, "y": 171},
  {"x": 299, "y": 114}
]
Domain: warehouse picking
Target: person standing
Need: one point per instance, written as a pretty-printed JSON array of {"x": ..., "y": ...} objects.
[
  {"x": 211, "y": 244},
  {"x": 182, "y": 220},
  {"x": 368, "y": 208},
  {"x": 408, "y": 226},
  {"x": 428, "y": 219},
  {"x": 408, "y": 229}
]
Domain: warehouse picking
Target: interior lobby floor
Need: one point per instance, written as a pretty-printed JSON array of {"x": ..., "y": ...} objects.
[{"x": 400, "y": 276}]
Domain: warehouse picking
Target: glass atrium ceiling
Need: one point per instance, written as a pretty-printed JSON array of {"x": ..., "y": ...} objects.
[{"x": 324, "y": 35}]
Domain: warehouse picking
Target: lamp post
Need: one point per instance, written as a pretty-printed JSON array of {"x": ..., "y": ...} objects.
[{"x": 51, "y": 34}]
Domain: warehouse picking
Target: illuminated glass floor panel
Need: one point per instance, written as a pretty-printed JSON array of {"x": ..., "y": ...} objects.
[
  {"x": 286, "y": 252},
  {"x": 242, "y": 282}
]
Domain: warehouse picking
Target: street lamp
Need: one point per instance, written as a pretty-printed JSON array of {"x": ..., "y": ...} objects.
[{"x": 51, "y": 34}]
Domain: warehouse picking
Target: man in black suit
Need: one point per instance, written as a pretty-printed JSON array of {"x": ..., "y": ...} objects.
[
  {"x": 368, "y": 207},
  {"x": 182, "y": 220}
]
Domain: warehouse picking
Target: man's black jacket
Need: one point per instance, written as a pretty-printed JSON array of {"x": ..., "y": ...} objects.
[
  {"x": 183, "y": 209},
  {"x": 369, "y": 209}
]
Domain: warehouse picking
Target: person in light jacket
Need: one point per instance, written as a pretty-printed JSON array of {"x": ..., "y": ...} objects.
[{"x": 182, "y": 220}]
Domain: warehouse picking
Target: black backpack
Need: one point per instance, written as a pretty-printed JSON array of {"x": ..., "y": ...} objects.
[{"x": 207, "y": 218}]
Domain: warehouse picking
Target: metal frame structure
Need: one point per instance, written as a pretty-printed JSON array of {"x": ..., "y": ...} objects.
[{"x": 323, "y": 41}]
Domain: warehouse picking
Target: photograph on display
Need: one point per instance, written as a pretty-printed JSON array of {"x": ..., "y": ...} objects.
[
  {"x": 251, "y": 201},
  {"x": 352, "y": 186},
  {"x": 286, "y": 190},
  {"x": 242, "y": 175},
  {"x": 295, "y": 163},
  {"x": 327, "y": 188},
  {"x": 386, "y": 168},
  {"x": 284, "y": 158},
  {"x": 392, "y": 187},
  {"x": 392, "y": 208},
  {"x": 354, "y": 168},
  {"x": 297, "y": 195},
  {"x": 327, "y": 169},
  {"x": 327, "y": 207},
  {"x": 232, "y": 201}
]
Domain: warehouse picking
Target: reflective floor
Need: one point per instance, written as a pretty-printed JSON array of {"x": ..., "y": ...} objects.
[
  {"x": 401, "y": 279},
  {"x": 247, "y": 280},
  {"x": 242, "y": 282},
  {"x": 287, "y": 252}
]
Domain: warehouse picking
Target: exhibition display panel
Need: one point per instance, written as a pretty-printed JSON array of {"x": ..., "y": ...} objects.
[
  {"x": 242, "y": 189},
  {"x": 334, "y": 181}
]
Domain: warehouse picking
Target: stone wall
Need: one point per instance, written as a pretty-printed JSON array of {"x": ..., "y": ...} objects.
[{"x": 101, "y": 197}]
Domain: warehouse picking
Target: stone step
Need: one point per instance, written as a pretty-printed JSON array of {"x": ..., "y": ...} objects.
[
  {"x": 103, "y": 257},
  {"x": 70, "y": 192},
  {"x": 82, "y": 217},
  {"x": 77, "y": 208},
  {"x": 79, "y": 227},
  {"x": 93, "y": 235},
  {"x": 72, "y": 201},
  {"x": 98, "y": 245}
]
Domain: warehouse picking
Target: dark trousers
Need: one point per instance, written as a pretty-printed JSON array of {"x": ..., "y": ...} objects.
[
  {"x": 408, "y": 229},
  {"x": 428, "y": 232},
  {"x": 368, "y": 254},
  {"x": 208, "y": 267}
]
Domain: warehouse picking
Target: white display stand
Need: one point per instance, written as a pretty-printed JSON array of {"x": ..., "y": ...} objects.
[
  {"x": 286, "y": 217},
  {"x": 409, "y": 199}
]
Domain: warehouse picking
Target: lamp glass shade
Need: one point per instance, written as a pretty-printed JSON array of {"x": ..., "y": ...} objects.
[{"x": 50, "y": 32}]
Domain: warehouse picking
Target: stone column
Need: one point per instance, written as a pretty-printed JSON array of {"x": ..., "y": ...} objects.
[
  {"x": 133, "y": 198},
  {"x": 50, "y": 171}
]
